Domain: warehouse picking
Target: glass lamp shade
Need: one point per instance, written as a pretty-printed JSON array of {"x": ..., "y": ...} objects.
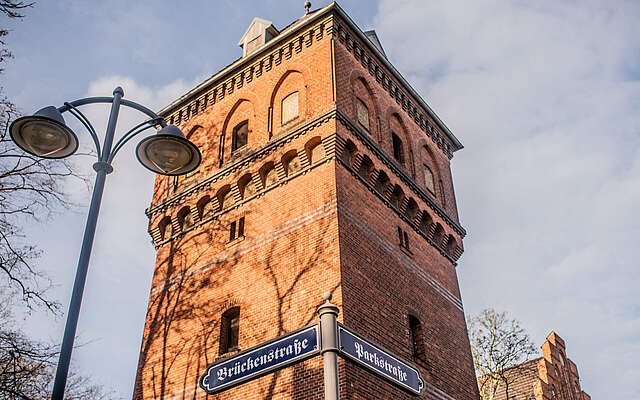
[
  {"x": 44, "y": 134},
  {"x": 168, "y": 152}
]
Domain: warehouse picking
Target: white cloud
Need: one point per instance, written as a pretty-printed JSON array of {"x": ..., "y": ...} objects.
[{"x": 545, "y": 97}]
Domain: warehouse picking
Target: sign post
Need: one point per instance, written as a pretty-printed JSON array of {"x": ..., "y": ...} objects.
[{"x": 328, "y": 313}]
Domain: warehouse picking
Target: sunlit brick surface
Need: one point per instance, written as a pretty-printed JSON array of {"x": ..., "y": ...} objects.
[{"x": 316, "y": 219}]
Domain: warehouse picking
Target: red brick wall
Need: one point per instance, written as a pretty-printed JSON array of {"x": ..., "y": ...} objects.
[{"x": 319, "y": 228}]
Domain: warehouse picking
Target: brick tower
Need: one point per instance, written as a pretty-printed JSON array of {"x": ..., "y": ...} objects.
[{"x": 323, "y": 170}]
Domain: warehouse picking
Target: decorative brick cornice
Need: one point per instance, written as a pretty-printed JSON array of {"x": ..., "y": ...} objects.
[
  {"x": 366, "y": 140},
  {"x": 243, "y": 162},
  {"x": 395, "y": 85},
  {"x": 413, "y": 222}
]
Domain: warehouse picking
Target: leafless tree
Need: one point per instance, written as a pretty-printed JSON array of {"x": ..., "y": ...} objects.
[
  {"x": 27, "y": 367},
  {"x": 31, "y": 189},
  {"x": 499, "y": 346}
]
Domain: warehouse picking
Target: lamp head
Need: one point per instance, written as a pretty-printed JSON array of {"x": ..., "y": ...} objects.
[
  {"x": 44, "y": 134},
  {"x": 168, "y": 152}
]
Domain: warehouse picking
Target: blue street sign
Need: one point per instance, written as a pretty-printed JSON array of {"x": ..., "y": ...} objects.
[
  {"x": 376, "y": 359},
  {"x": 262, "y": 359}
]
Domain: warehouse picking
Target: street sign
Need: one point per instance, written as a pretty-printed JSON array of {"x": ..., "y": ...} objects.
[
  {"x": 262, "y": 359},
  {"x": 383, "y": 363}
]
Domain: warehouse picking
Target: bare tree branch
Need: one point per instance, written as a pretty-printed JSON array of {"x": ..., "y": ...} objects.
[{"x": 499, "y": 345}]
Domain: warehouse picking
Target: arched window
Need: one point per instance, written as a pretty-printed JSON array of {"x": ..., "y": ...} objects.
[
  {"x": 363, "y": 113},
  {"x": 184, "y": 219},
  {"x": 417, "y": 340},
  {"x": 398, "y": 152},
  {"x": 428, "y": 180},
  {"x": 290, "y": 108},
  {"x": 240, "y": 134},
  {"x": 229, "y": 330},
  {"x": 442, "y": 193}
]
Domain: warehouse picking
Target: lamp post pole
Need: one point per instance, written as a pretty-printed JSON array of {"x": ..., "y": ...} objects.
[
  {"x": 45, "y": 134},
  {"x": 102, "y": 168}
]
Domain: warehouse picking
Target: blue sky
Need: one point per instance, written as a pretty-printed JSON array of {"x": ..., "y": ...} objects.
[{"x": 544, "y": 96}]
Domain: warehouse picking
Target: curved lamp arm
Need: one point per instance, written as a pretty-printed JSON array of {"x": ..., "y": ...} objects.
[
  {"x": 94, "y": 100},
  {"x": 72, "y": 107},
  {"x": 131, "y": 133}
]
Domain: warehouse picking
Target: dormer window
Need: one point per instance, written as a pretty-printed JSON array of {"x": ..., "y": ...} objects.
[
  {"x": 240, "y": 133},
  {"x": 259, "y": 32},
  {"x": 290, "y": 108}
]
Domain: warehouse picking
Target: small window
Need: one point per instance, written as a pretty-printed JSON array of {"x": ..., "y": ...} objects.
[
  {"x": 236, "y": 229},
  {"x": 397, "y": 148},
  {"x": 403, "y": 238},
  {"x": 290, "y": 108},
  {"x": 240, "y": 134},
  {"x": 417, "y": 339},
  {"x": 428, "y": 180},
  {"x": 363, "y": 114},
  {"x": 229, "y": 330}
]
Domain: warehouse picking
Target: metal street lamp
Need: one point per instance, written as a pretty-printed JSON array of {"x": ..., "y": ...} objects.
[{"x": 45, "y": 134}]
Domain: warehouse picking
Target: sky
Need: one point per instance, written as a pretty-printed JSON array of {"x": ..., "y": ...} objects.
[{"x": 544, "y": 95}]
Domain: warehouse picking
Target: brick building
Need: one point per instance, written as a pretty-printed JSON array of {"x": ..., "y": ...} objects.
[
  {"x": 323, "y": 170},
  {"x": 550, "y": 377}
]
